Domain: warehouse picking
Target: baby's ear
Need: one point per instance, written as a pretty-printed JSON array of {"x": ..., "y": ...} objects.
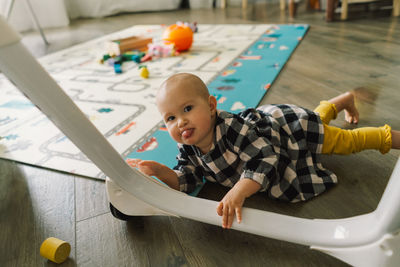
[{"x": 212, "y": 102}]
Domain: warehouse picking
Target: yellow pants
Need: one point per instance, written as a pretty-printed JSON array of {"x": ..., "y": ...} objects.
[{"x": 340, "y": 141}]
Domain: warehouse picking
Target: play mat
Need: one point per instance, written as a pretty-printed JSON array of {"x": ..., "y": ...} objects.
[{"x": 237, "y": 62}]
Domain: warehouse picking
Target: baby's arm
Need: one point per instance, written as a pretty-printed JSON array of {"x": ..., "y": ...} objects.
[
  {"x": 233, "y": 201},
  {"x": 153, "y": 168}
]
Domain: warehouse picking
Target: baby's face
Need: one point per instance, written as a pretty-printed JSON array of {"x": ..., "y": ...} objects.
[{"x": 189, "y": 117}]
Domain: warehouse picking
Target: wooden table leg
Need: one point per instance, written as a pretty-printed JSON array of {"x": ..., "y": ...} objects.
[
  {"x": 396, "y": 8},
  {"x": 282, "y": 4},
  {"x": 223, "y": 3},
  {"x": 292, "y": 9},
  {"x": 244, "y": 4},
  {"x": 330, "y": 9}
]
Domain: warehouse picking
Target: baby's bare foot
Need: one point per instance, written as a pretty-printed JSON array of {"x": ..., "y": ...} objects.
[
  {"x": 350, "y": 111},
  {"x": 346, "y": 102},
  {"x": 395, "y": 139}
]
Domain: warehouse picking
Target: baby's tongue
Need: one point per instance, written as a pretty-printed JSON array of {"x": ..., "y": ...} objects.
[{"x": 187, "y": 133}]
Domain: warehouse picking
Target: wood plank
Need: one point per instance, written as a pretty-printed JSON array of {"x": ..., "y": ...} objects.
[
  {"x": 146, "y": 241},
  {"x": 34, "y": 204},
  {"x": 91, "y": 198},
  {"x": 209, "y": 245}
]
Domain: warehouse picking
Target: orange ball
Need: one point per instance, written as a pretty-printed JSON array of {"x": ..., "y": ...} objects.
[{"x": 180, "y": 35}]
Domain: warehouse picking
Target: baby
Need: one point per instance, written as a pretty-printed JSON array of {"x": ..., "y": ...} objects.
[{"x": 275, "y": 148}]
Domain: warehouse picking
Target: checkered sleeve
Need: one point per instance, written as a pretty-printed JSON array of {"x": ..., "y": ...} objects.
[
  {"x": 255, "y": 150},
  {"x": 189, "y": 175}
]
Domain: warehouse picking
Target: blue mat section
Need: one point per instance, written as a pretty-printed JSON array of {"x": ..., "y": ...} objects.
[{"x": 241, "y": 85}]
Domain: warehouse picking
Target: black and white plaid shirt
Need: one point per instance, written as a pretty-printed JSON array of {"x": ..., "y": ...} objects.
[{"x": 277, "y": 146}]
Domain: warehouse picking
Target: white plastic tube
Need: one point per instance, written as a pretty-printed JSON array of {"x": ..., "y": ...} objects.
[{"x": 29, "y": 76}]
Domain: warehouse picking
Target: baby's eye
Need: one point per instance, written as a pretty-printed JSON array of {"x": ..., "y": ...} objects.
[
  {"x": 187, "y": 108},
  {"x": 171, "y": 118}
]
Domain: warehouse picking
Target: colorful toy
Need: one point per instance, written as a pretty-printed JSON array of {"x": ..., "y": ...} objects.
[
  {"x": 161, "y": 50},
  {"x": 144, "y": 72},
  {"x": 146, "y": 57},
  {"x": 116, "y": 61},
  {"x": 117, "y": 68},
  {"x": 55, "y": 249},
  {"x": 132, "y": 56},
  {"x": 118, "y": 47},
  {"x": 179, "y": 35},
  {"x": 192, "y": 26}
]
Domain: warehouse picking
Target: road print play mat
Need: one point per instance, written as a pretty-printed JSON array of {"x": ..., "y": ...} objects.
[{"x": 238, "y": 62}]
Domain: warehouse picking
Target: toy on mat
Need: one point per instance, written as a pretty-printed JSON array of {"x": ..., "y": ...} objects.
[
  {"x": 161, "y": 50},
  {"x": 116, "y": 61},
  {"x": 179, "y": 35},
  {"x": 117, "y": 67},
  {"x": 55, "y": 249},
  {"x": 144, "y": 72},
  {"x": 192, "y": 26},
  {"x": 132, "y": 56},
  {"x": 118, "y": 47}
]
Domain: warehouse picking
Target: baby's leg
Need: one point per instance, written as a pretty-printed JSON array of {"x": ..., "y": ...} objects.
[
  {"x": 327, "y": 111},
  {"x": 340, "y": 141},
  {"x": 346, "y": 102}
]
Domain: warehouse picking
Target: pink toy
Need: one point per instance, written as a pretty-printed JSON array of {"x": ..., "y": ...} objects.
[
  {"x": 192, "y": 26},
  {"x": 160, "y": 50}
]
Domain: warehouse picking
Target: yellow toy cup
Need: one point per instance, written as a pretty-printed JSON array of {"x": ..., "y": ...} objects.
[{"x": 55, "y": 249}]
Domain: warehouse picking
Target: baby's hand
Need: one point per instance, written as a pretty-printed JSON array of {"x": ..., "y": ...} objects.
[
  {"x": 233, "y": 201},
  {"x": 148, "y": 167},
  {"x": 230, "y": 205}
]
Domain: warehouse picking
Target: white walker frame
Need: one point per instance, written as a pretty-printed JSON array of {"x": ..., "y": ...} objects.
[{"x": 372, "y": 239}]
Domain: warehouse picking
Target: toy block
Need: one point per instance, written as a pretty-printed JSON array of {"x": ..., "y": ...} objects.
[
  {"x": 55, "y": 249},
  {"x": 117, "y": 68},
  {"x": 120, "y": 46},
  {"x": 132, "y": 56},
  {"x": 144, "y": 72}
]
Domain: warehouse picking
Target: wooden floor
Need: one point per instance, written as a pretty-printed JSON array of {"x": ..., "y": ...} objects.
[{"x": 362, "y": 54}]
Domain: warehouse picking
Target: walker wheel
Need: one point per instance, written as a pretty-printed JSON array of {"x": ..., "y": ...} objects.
[{"x": 119, "y": 215}]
